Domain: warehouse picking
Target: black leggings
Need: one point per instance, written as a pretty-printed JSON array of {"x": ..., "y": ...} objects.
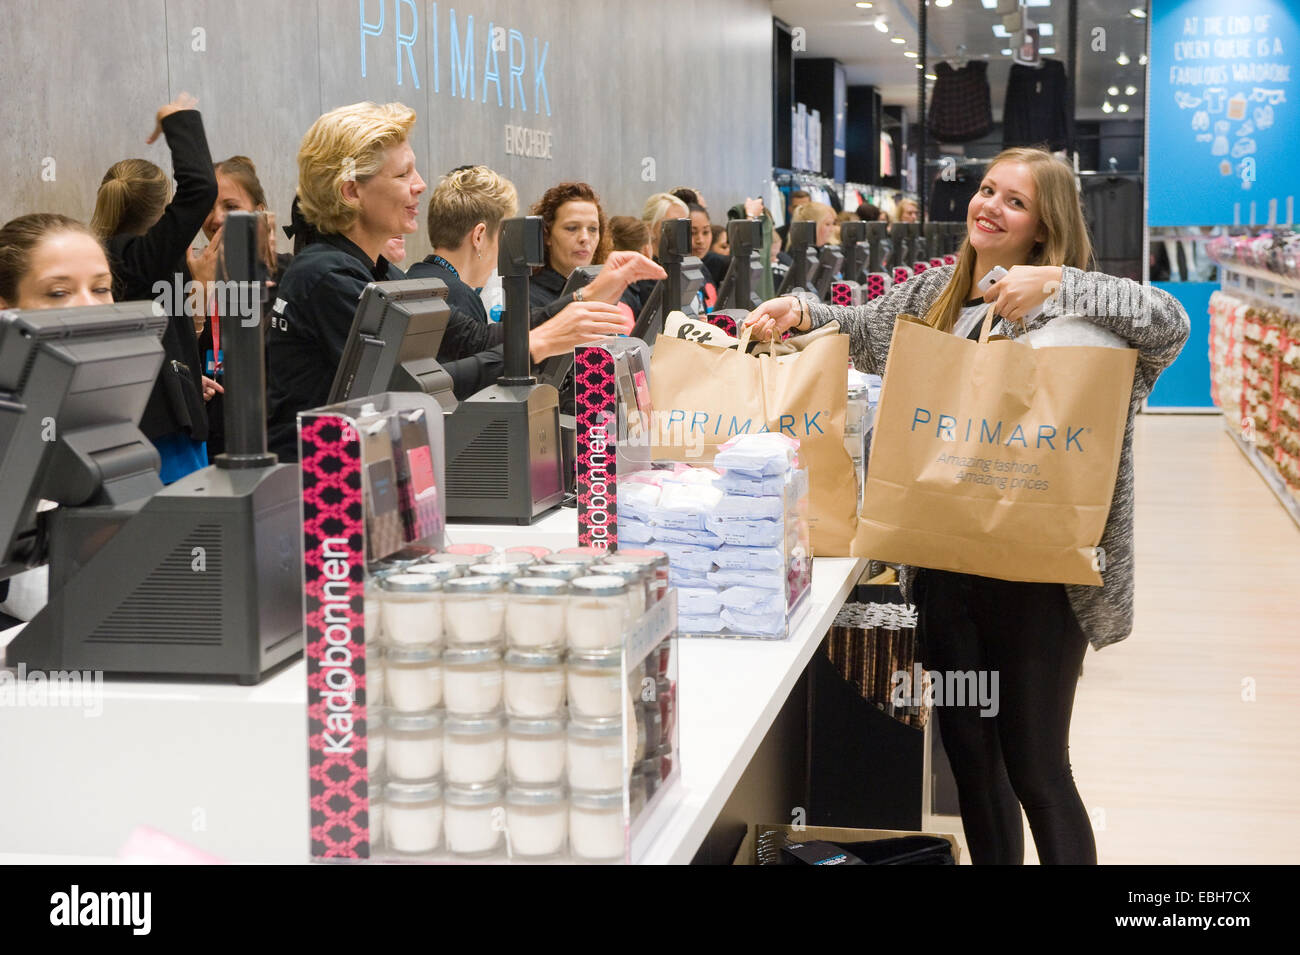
[{"x": 1028, "y": 635}]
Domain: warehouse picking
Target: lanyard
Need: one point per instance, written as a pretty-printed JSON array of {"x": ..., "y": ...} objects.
[
  {"x": 216, "y": 337},
  {"x": 439, "y": 260}
]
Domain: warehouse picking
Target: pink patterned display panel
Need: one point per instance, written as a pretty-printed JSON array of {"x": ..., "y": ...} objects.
[
  {"x": 333, "y": 548},
  {"x": 595, "y": 394},
  {"x": 877, "y": 283},
  {"x": 901, "y": 274}
]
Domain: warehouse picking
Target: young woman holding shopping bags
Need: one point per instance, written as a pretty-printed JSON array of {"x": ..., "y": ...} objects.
[{"x": 1026, "y": 218}]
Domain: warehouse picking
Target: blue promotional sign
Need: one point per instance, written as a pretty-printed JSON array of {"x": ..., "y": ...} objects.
[{"x": 1221, "y": 116}]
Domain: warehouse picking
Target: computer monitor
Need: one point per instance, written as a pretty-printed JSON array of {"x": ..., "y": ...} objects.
[
  {"x": 73, "y": 385},
  {"x": 393, "y": 344}
]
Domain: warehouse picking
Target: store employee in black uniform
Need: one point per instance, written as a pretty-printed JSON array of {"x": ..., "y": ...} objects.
[
  {"x": 357, "y": 187},
  {"x": 466, "y": 210}
]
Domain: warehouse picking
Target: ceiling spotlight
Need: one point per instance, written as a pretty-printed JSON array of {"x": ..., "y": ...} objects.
[
  {"x": 1123, "y": 107},
  {"x": 1113, "y": 91},
  {"x": 881, "y": 25},
  {"x": 943, "y": 3},
  {"x": 911, "y": 54},
  {"x": 1044, "y": 29},
  {"x": 1000, "y": 31},
  {"x": 1138, "y": 12},
  {"x": 1130, "y": 90},
  {"x": 1143, "y": 59},
  {"x": 1006, "y": 52},
  {"x": 1122, "y": 59},
  {"x": 864, "y": 5},
  {"x": 1047, "y": 50},
  {"x": 897, "y": 39},
  {"x": 930, "y": 76},
  {"x": 1107, "y": 108}
]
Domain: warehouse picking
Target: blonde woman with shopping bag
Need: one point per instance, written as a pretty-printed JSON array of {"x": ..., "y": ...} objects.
[{"x": 1025, "y": 218}]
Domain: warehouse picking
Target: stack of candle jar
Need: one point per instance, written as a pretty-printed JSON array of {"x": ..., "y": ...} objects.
[{"x": 499, "y": 716}]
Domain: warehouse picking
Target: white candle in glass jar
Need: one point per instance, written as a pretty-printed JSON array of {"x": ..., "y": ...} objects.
[
  {"x": 538, "y": 821},
  {"x": 596, "y": 825},
  {"x": 535, "y": 613},
  {"x": 474, "y": 749},
  {"x": 375, "y": 797},
  {"x": 475, "y": 819},
  {"x": 413, "y": 816},
  {"x": 472, "y": 679},
  {"x": 373, "y": 607},
  {"x": 534, "y": 682},
  {"x": 376, "y": 740},
  {"x": 413, "y": 751},
  {"x": 374, "y": 676},
  {"x": 535, "y": 750},
  {"x": 412, "y": 610},
  {"x": 595, "y": 754},
  {"x": 595, "y": 683},
  {"x": 598, "y": 613},
  {"x": 474, "y": 610},
  {"x": 636, "y": 577},
  {"x": 413, "y": 678}
]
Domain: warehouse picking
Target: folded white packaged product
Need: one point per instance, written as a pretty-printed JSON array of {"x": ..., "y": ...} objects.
[
  {"x": 753, "y": 600},
  {"x": 681, "y": 535},
  {"x": 766, "y": 453},
  {"x": 694, "y": 601},
  {"x": 690, "y": 474},
  {"x": 634, "y": 532},
  {"x": 743, "y": 507},
  {"x": 747, "y": 533},
  {"x": 739, "y": 482},
  {"x": 700, "y": 562},
  {"x": 685, "y": 505},
  {"x": 686, "y": 578},
  {"x": 699, "y": 623},
  {"x": 730, "y": 557},
  {"x": 637, "y": 501},
  {"x": 766, "y": 579},
  {"x": 676, "y": 551},
  {"x": 749, "y": 623}
]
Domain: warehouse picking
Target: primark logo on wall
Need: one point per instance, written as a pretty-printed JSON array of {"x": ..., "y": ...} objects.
[{"x": 476, "y": 60}]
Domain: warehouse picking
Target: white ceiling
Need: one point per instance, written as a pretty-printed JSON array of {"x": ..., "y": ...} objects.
[{"x": 838, "y": 29}]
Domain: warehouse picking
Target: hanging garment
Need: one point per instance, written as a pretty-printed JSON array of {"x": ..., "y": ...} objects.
[
  {"x": 949, "y": 198},
  {"x": 1037, "y": 110},
  {"x": 1112, "y": 206},
  {"x": 886, "y": 154},
  {"x": 775, "y": 203},
  {"x": 961, "y": 109}
]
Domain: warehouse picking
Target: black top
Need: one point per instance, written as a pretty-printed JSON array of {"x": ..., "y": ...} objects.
[
  {"x": 140, "y": 261},
  {"x": 308, "y": 328},
  {"x": 1038, "y": 111},
  {"x": 715, "y": 266},
  {"x": 544, "y": 287},
  {"x": 471, "y": 351}
]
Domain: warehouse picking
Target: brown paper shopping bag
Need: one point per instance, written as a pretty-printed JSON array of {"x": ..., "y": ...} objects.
[
  {"x": 704, "y": 396},
  {"x": 994, "y": 458}
]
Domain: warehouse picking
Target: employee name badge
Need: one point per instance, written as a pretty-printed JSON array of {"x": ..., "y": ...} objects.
[{"x": 213, "y": 366}]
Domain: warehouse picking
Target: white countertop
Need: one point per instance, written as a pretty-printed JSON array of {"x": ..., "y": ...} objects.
[{"x": 224, "y": 767}]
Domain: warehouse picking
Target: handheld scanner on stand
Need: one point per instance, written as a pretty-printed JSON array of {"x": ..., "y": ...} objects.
[
  {"x": 857, "y": 251},
  {"x": 900, "y": 251},
  {"x": 879, "y": 245},
  {"x": 519, "y": 252},
  {"x": 674, "y": 245},
  {"x": 803, "y": 235},
  {"x": 738, "y": 286}
]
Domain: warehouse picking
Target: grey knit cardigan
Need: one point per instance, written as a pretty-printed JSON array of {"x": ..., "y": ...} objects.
[{"x": 1149, "y": 319}]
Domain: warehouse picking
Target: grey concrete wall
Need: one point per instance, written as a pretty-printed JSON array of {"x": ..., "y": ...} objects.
[{"x": 684, "y": 84}]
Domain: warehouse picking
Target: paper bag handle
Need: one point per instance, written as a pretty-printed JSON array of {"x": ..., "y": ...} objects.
[
  {"x": 987, "y": 321},
  {"x": 746, "y": 332}
]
